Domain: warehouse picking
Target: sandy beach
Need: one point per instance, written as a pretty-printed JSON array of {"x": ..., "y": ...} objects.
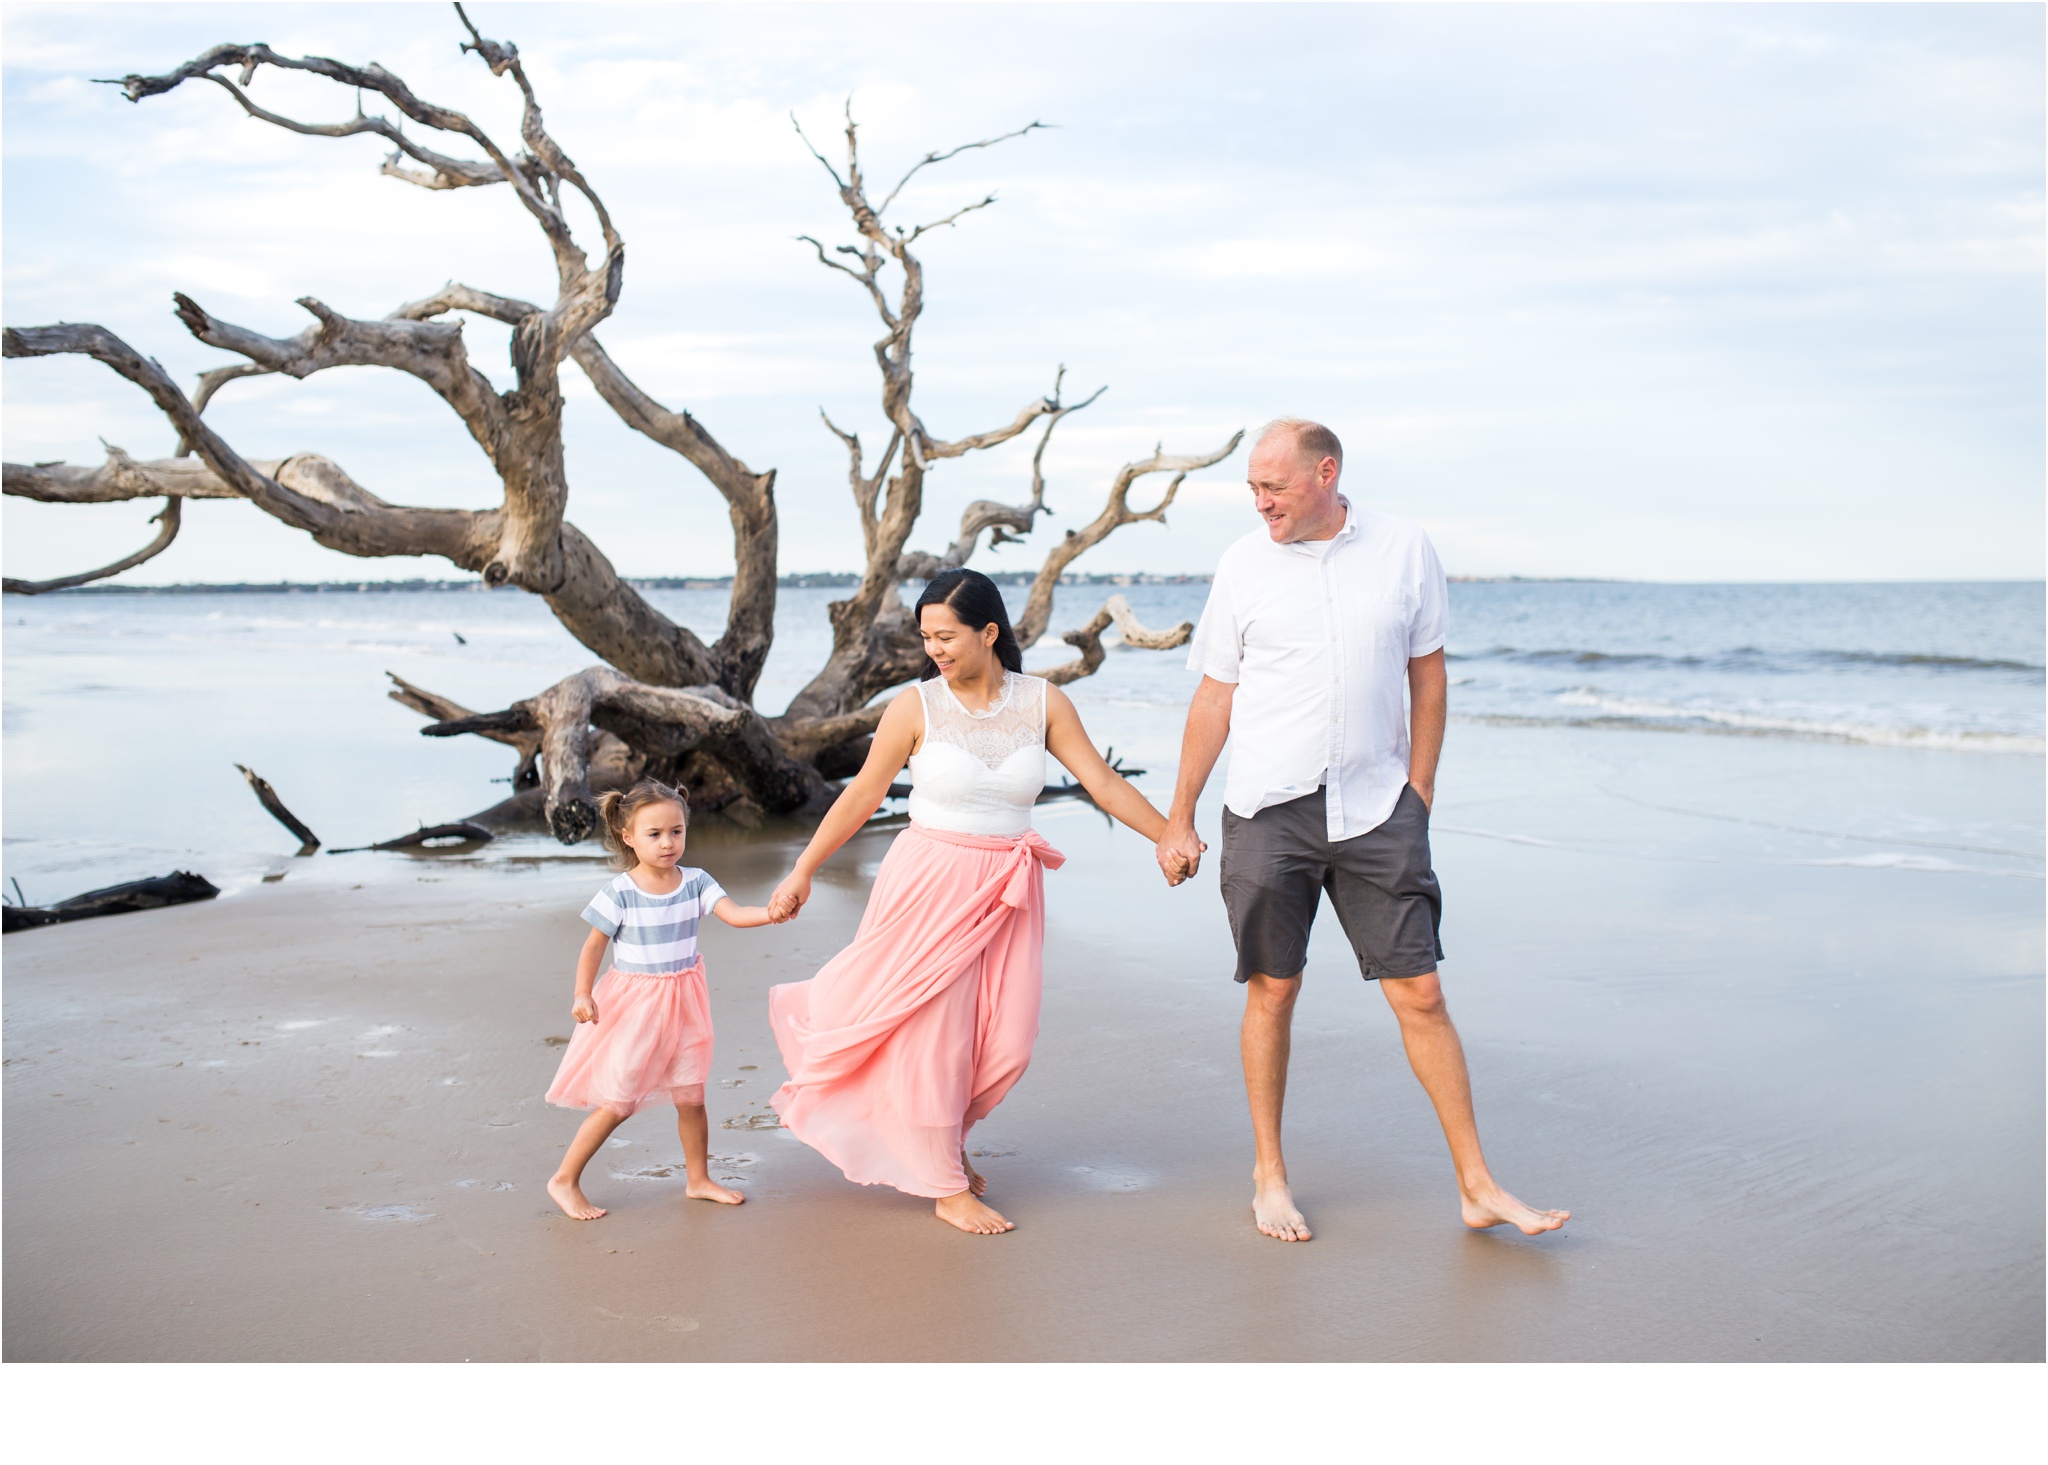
[{"x": 1792, "y": 1095}]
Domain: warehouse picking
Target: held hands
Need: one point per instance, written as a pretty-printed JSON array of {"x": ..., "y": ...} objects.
[
  {"x": 789, "y": 897},
  {"x": 1180, "y": 853},
  {"x": 584, "y": 1009}
]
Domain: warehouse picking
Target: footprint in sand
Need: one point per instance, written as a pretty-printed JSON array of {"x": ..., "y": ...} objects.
[
  {"x": 389, "y": 1213},
  {"x": 751, "y": 1121}
]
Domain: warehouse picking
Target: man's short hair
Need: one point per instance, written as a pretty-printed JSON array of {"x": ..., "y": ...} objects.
[{"x": 1313, "y": 441}]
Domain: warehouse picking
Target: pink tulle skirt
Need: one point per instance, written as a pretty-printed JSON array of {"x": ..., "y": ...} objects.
[
  {"x": 917, "y": 1030},
  {"x": 651, "y": 1044}
]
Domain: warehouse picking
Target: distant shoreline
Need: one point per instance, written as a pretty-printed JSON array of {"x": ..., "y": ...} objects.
[{"x": 822, "y": 581}]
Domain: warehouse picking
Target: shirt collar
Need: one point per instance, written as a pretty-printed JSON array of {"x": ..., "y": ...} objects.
[{"x": 1350, "y": 529}]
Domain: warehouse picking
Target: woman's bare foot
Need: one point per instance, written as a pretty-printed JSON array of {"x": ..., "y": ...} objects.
[
  {"x": 708, "y": 1189},
  {"x": 1274, "y": 1209},
  {"x": 969, "y": 1214},
  {"x": 570, "y": 1198},
  {"x": 1495, "y": 1207},
  {"x": 977, "y": 1183}
]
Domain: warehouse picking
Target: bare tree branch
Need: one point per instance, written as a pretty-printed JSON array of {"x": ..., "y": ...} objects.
[
  {"x": 866, "y": 278},
  {"x": 452, "y": 296},
  {"x": 211, "y": 382},
  {"x": 267, "y": 796},
  {"x": 1088, "y": 640},
  {"x": 121, "y": 478},
  {"x": 529, "y": 177},
  {"x": 168, "y": 516},
  {"x": 428, "y": 350},
  {"x": 1026, "y": 415},
  {"x": 949, "y": 220},
  {"x": 445, "y": 172},
  {"x": 104, "y": 346},
  {"x": 1116, "y": 513},
  {"x": 750, "y": 506},
  {"x": 1005, "y": 523},
  {"x": 930, "y": 158}
]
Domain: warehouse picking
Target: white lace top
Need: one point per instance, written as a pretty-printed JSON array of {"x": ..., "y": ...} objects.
[{"x": 980, "y": 772}]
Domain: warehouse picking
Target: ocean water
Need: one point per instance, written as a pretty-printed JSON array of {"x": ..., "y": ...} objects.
[{"x": 125, "y": 712}]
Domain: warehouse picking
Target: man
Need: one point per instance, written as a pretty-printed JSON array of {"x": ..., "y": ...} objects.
[{"x": 1311, "y": 629}]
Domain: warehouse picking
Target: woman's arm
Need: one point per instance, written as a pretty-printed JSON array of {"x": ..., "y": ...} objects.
[
  {"x": 1068, "y": 741},
  {"x": 584, "y": 1008},
  {"x": 895, "y": 740}
]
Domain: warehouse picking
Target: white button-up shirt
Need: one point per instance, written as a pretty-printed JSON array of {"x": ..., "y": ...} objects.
[{"x": 1317, "y": 637}]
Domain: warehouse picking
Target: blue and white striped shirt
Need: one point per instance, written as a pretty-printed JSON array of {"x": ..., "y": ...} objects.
[{"x": 653, "y": 933}]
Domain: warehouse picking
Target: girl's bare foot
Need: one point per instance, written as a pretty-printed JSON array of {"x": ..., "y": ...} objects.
[
  {"x": 708, "y": 1189},
  {"x": 1495, "y": 1207},
  {"x": 570, "y": 1198},
  {"x": 977, "y": 1183},
  {"x": 969, "y": 1214}
]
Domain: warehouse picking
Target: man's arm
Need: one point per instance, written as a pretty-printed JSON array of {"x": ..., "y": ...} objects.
[
  {"x": 1180, "y": 849},
  {"x": 1428, "y": 705}
]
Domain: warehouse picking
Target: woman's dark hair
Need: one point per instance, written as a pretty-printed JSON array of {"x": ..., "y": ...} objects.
[{"x": 973, "y": 597}]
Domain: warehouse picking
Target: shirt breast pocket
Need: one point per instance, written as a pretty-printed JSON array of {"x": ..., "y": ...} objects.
[{"x": 1383, "y": 618}]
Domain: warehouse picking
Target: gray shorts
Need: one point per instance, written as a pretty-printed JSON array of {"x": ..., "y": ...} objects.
[{"x": 1278, "y": 863}]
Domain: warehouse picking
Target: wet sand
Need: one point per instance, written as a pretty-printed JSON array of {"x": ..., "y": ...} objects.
[{"x": 1795, "y": 1106}]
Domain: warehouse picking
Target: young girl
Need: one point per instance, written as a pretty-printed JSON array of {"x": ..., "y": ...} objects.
[{"x": 644, "y": 1032}]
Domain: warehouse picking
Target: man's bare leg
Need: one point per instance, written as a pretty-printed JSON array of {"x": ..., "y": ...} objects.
[
  {"x": 1265, "y": 1040},
  {"x": 1438, "y": 1059}
]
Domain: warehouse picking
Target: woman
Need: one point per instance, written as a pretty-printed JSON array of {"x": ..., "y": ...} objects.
[{"x": 917, "y": 1030}]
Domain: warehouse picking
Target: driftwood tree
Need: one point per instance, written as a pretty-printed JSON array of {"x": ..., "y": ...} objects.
[{"x": 664, "y": 701}]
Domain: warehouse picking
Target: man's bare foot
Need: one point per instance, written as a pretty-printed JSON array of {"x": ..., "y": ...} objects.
[
  {"x": 1274, "y": 1209},
  {"x": 977, "y": 1183},
  {"x": 708, "y": 1189},
  {"x": 969, "y": 1214},
  {"x": 570, "y": 1198},
  {"x": 1495, "y": 1207}
]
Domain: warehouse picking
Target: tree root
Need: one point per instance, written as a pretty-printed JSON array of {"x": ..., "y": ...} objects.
[
  {"x": 267, "y": 796},
  {"x": 463, "y": 830},
  {"x": 177, "y": 888}
]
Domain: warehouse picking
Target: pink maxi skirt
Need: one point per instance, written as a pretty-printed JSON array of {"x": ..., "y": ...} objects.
[
  {"x": 651, "y": 1044},
  {"x": 917, "y": 1030}
]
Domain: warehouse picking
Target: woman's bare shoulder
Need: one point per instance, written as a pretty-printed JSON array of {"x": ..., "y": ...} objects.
[
  {"x": 1059, "y": 708},
  {"x": 904, "y": 716}
]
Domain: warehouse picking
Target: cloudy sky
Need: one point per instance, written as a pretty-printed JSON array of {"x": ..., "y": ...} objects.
[{"x": 1707, "y": 292}]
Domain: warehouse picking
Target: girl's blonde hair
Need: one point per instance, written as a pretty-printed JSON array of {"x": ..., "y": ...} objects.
[{"x": 617, "y": 810}]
